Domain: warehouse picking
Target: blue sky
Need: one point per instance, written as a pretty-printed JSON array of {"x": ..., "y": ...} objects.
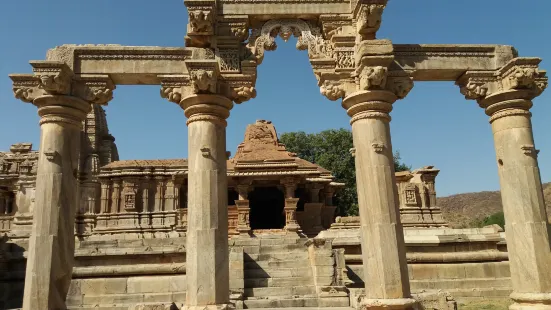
[{"x": 434, "y": 125}]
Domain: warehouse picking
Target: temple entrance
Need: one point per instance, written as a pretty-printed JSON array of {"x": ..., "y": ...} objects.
[{"x": 266, "y": 205}]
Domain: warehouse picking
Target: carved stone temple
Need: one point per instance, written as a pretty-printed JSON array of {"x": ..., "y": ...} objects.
[{"x": 83, "y": 230}]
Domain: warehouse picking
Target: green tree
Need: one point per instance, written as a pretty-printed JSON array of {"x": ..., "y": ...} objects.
[{"x": 331, "y": 150}]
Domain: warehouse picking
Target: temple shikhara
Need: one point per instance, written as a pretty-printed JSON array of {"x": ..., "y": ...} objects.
[{"x": 82, "y": 229}]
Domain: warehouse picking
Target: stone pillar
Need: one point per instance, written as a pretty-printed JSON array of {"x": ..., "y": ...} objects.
[
  {"x": 382, "y": 238},
  {"x": 104, "y": 208},
  {"x": 290, "y": 185},
  {"x": 527, "y": 231},
  {"x": 243, "y": 209},
  {"x": 506, "y": 96},
  {"x": 207, "y": 234},
  {"x": 51, "y": 246}
]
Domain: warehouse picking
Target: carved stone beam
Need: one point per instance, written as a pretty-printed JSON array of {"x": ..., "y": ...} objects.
[{"x": 201, "y": 22}]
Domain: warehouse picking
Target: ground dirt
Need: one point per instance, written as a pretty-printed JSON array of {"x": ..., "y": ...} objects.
[
  {"x": 485, "y": 305},
  {"x": 463, "y": 209}
]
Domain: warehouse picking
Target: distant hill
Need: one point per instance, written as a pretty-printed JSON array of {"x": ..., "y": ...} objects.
[{"x": 462, "y": 210}]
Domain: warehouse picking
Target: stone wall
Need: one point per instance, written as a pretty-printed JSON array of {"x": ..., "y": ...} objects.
[{"x": 466, "y": 263}]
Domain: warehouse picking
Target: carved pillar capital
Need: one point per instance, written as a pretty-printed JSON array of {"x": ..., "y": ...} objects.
[
  {"x": 369, "y": 104},
  {"x": 290, "y": 185},
  {"x": 243, "y": 190},
  {"x": 507, "y": 91},
  {"x": 55, "y": 78}
]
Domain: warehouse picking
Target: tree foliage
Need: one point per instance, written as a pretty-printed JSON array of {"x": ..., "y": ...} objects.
[
  {"x": 331, "y": 150},
  {"x": 496, "y": 218}
]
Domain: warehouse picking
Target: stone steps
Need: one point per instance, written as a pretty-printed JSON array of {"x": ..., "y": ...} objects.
[
  {"x": 276, "y": 264},
  {"x": 278, "y": 272},
  {"x": 260, "y": 292},
  {"x": 278, "y": 282},
  {"x": 300, "y": 302},
  {"x": 296, "y": 255}
]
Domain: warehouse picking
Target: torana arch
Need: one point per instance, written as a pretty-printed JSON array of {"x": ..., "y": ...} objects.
[{"x": 225, "y": 42}]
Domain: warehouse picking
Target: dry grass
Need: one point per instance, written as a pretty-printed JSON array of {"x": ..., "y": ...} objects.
[
  {"x": 463, "y": 209},
  {"x": 486, "y": 305}
]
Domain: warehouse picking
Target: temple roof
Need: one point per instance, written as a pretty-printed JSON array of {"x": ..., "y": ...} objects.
[{"x": 260, "y": 154}]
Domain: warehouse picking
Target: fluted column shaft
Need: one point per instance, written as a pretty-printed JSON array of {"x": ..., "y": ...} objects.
[
  {"x": 207, "y": 233},
  {"x": 52, "y": 242},
  {"x": 383, "y": 248},
  {"x": 522, "y": 197}
]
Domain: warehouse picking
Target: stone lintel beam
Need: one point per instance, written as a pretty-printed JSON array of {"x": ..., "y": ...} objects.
[
  {"x": 281, "y": 7},
  {"x": 127, "y": 65},
  {"x": 142, "y": 65},
  {"x": 447, "y": 62}
]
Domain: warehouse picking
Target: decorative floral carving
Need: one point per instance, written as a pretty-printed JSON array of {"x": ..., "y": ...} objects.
[
  {"x": 523, "y": 77},
  {"x": 345, "y": 59},
  {"x": 200, "y": 21},
  {"x": 529, "y": 150},
  {"x": 332, "y": 91},
  {"x": 50, "y": 154},
  {"x": 243, "y": 93},
  {"x": 309, "y": 37},
  {"x": 373, "y": 77},
  {"x": 24, "y": 94},
  {"x": 229, "y": 60},
  {"x": 172, "y": 94},
  {"x": 378, "y": 147},
  {"x": 400, "y": 86},
  {"x": 474, "y": 90},
  {"x": 240, "y": 31},
  {"x": 205, "y": 151}
]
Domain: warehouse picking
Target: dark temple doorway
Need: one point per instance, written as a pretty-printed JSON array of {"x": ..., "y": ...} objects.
[{"x": 266, "y": 205}]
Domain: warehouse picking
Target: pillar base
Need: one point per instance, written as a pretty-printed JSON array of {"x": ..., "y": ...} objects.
[
  {"x": 531, "y": 301},
  {"x": 210, "y": 307},
  {"x": 387, "y": 304}
]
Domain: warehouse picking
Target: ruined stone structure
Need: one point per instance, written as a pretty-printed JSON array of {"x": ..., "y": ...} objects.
[{"x": 225, "y": 43}]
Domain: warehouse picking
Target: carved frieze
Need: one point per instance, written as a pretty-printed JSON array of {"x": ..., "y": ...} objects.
[{"x": 229, "y": 60}]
